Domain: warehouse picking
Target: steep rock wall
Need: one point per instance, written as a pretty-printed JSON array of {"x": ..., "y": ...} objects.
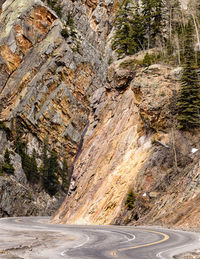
[
  {"x": 46, "y": 84},
  {"x": 132, "y": 143}
]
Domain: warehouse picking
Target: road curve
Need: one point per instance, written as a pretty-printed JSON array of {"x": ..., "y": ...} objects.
[{"x": 35, "y": 238}]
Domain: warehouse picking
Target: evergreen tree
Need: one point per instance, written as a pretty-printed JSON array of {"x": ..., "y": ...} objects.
[
  {"x": 34, "y": 175},
  {"x": 44, "y": 155},
  {"x": 130, "y": 200},
  {"x": 189, "y": 94},
  {"x": 147, "y": 61},
  {"x": 157, "y": 19},
  {"x": 64, "y": 175},
  {"x": 7, "y": 166},
  {"x": 29, "y": 163},
  {"x": 123, "y": 39},
  {"x": 137, "y": 28},
  {"x": 50, "y": 173},
  {"x": 152, "y": 17}
]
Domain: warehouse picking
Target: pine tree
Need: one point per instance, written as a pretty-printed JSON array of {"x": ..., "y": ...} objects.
[
  {"x": 130, "y": 200},
  {"x": 137, "y": 28},
  {"x": 29, "y": 163},
  {"x": 157, "y": 19},
  {"x": 189, "y": 94},
  {"x": 50, "y": 174},
  {"x": 152, "y": 14},
  {"x": 34, "y": 173},
  {"x": 7, "y": 166},
  {"x": 64, "y": 175},
  {"x": 123, "y": 39},
  {"x": 147, "y": 13}
]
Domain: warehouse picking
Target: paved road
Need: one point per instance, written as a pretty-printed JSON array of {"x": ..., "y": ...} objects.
[{"x": 35, "y": 238}]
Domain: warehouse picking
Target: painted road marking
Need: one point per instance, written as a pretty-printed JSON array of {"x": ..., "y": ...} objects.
[
  {"x": 63, "y": 253},
  {"x": 18, "y": 220},
  {"x": 118, "y": 232},
  {"x": 165, "y": 238},
  {"x": 159, "y": 254}
]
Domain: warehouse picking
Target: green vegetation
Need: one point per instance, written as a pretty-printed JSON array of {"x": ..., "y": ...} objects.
[
  {"x": 152, "y": 21},
  {"x": 130, "y": 200},
  {"x": 135, "y": 29},
  {"x": 69, "y": 29},
  {"x": 6, "y": 129},
  {"x": 55, "y": 6},
  {"x": 29, "y": 163},
  {"x": 49, "y": 171},
  {"x": 49, "y": 176},
  {"x": 189, "y": 94},
  {"x": 131, "y": 64},
  {"x": 154, "y": 24},
  {"x": 65, "y": 32},
  {"x": 124, "y": 42},
  {"x": 150, "y": 59},
  {"x": 7, "y": 166},
  {"x": 140, "y": 28},
  {"x": 64, "y": 175}
]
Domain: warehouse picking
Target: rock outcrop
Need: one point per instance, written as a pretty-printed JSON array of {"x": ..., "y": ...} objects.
[
  {"x": 116, "y": 125},
  {"x": 46, "y": 81},
  {"x": 17, "y": 196},
  {"x": 135, "y": 145}
]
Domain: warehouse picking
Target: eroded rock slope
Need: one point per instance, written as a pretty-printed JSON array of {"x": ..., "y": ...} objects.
[
  {"x": 135, "y": 145},
  {"x": 115, "y": 126}
]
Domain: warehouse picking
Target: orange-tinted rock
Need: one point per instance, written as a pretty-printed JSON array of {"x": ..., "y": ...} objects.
[
  {"x": 91, "y": 3},
  {"x": 38, "y": 23},
  {"x": 23, "y": 43},
  {"x": 11, "y": 59}
]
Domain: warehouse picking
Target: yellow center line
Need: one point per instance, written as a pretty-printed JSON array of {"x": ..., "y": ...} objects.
[
  {"x": 18, "y": 220},
  {"x": 165, "y": 237}
]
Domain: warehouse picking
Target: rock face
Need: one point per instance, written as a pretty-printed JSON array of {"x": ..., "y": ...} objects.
[
  {"x": 132, "y": 143},
  {"x": 17, "y": 196},
  {"x": 46, "y": 83},
  {"x": 17, "y": 199},
  {"x": 115, "y": 126}
]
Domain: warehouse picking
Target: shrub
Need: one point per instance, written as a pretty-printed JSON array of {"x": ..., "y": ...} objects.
[
  {"x": 69, "y": 29},
  {"x": 150, "y": 59},
  {"x": 65, "y": 33},
  {"x": 147, "y": 61},
  {"x": 55, "y": 6}
]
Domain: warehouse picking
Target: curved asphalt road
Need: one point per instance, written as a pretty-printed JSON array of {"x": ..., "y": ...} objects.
[{"x": 35, "y": 238}]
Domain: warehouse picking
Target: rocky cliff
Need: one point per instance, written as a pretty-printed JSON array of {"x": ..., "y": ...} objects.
[
  {"x": 46, "y": 80},
  {"x": 135, "y": 146},
  {"x": 114, "y": 121}
]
